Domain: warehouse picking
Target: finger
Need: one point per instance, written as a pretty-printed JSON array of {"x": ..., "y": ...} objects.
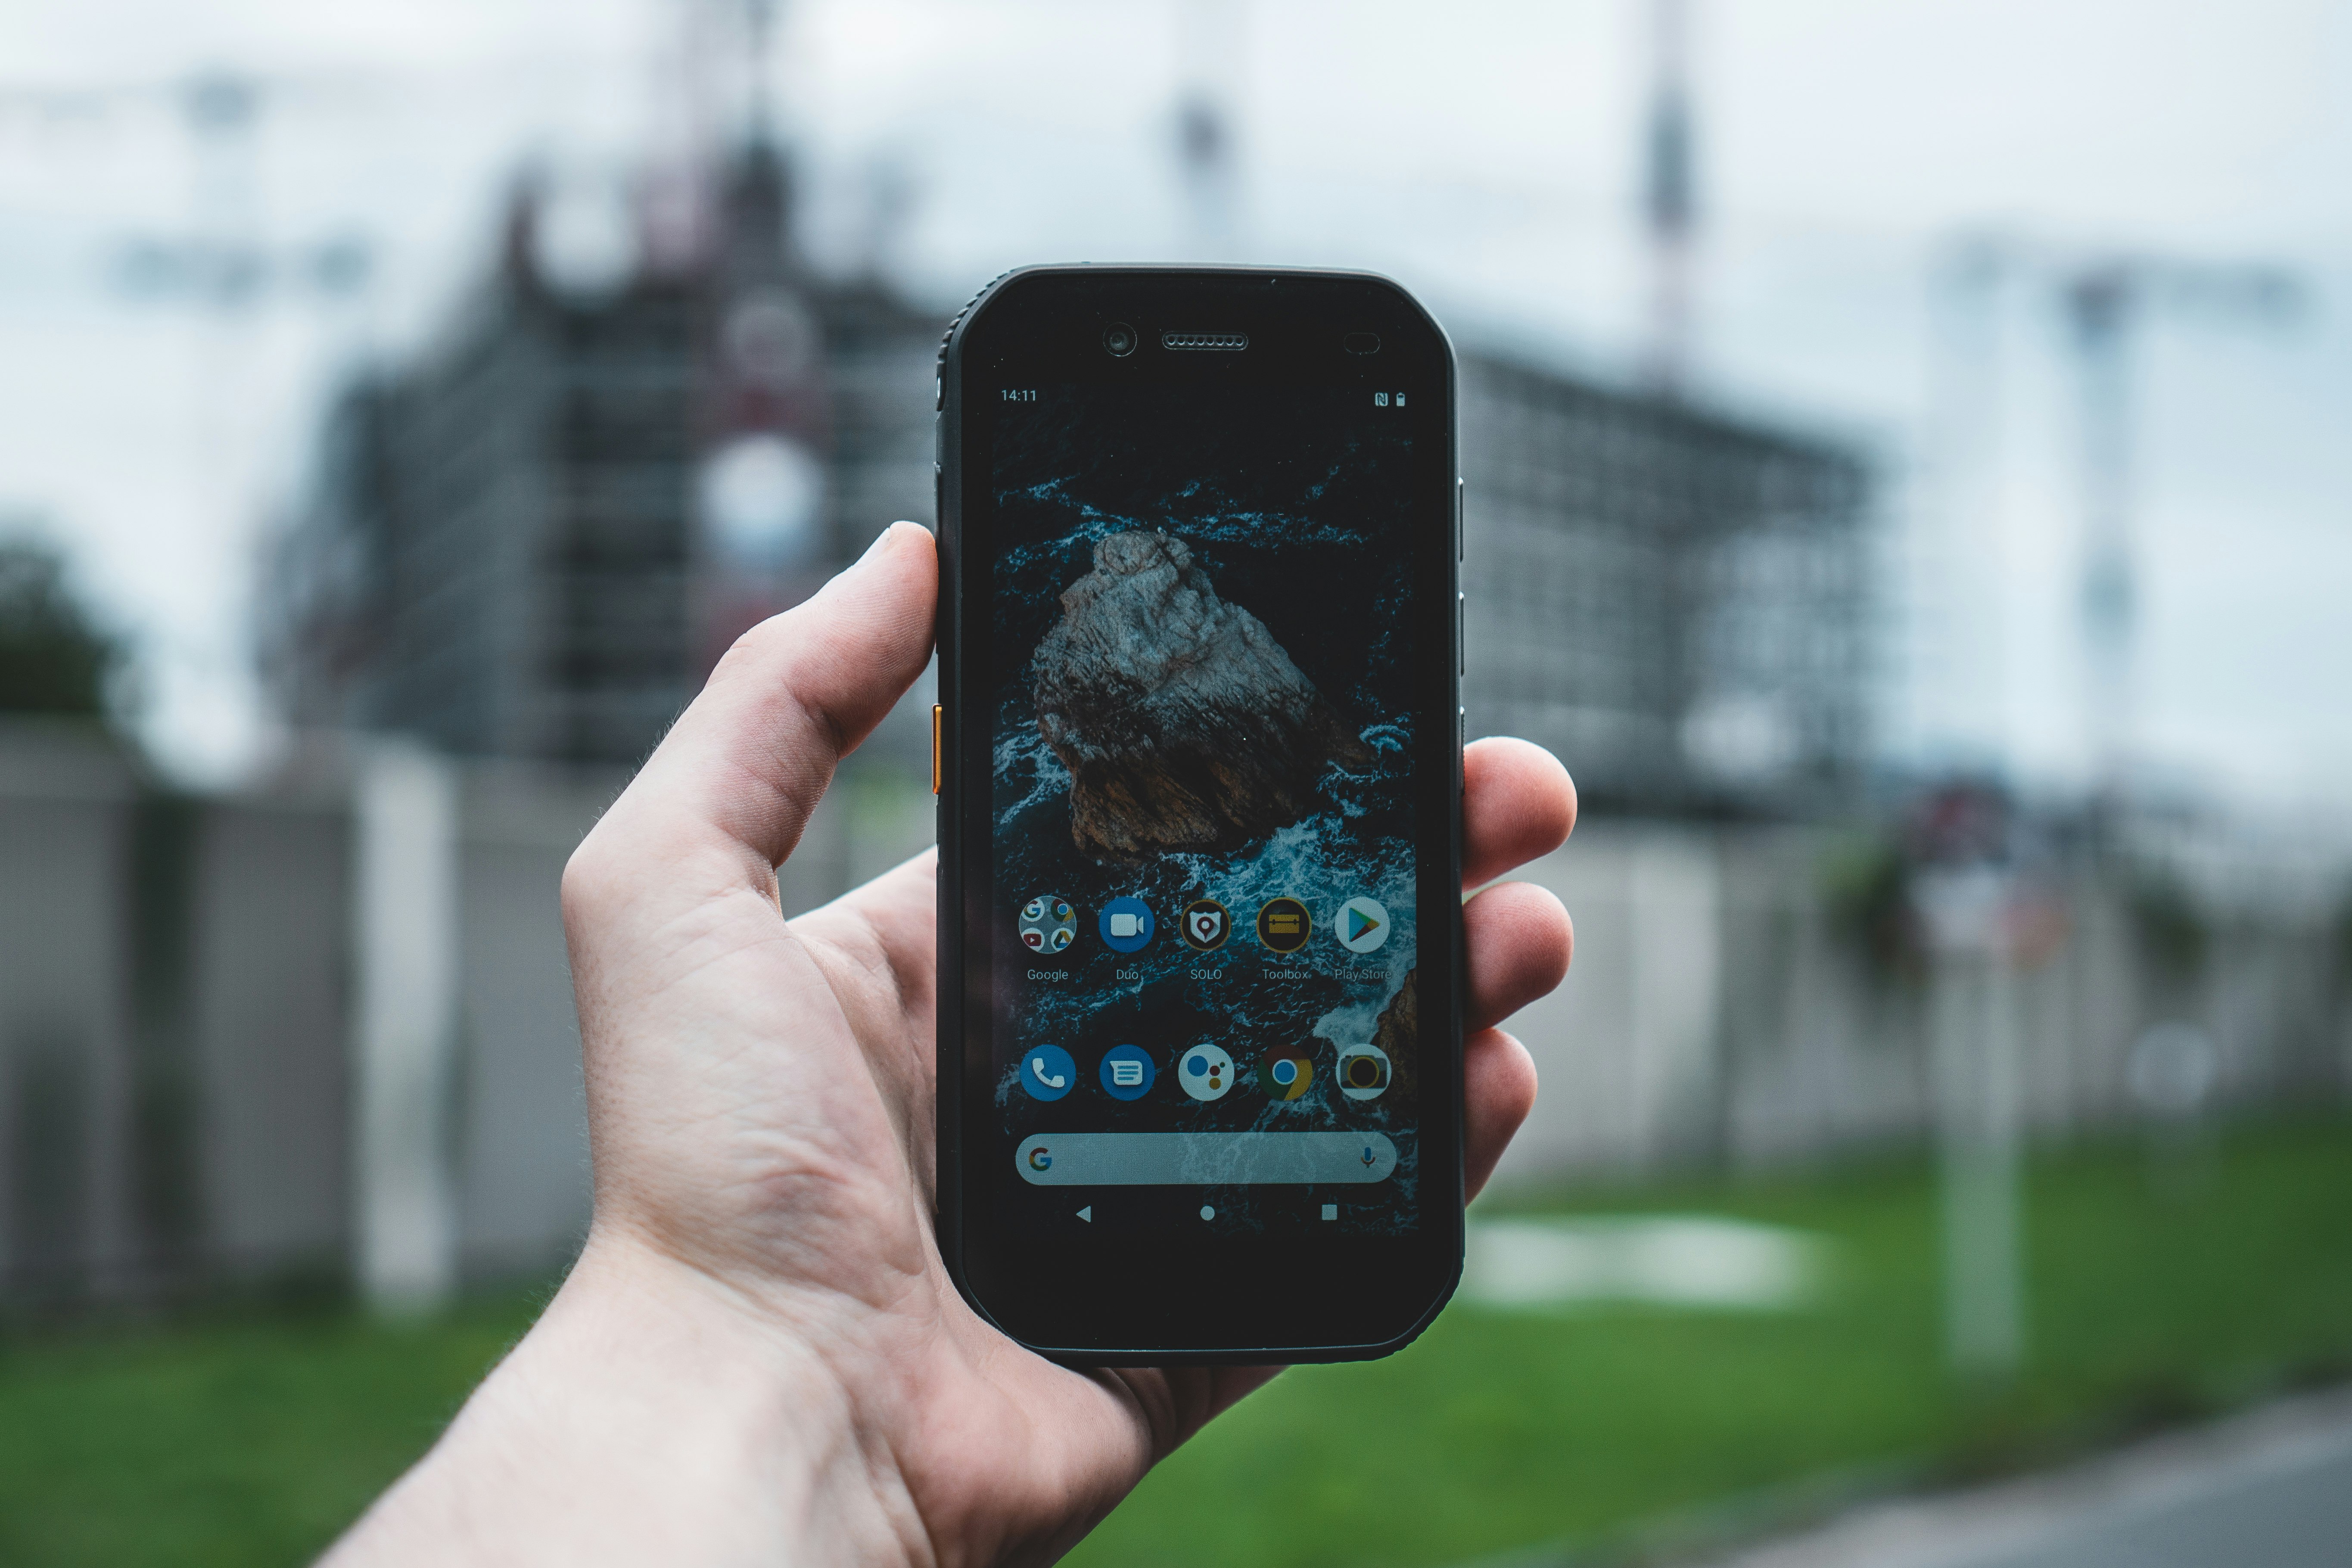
[
  {"x": 1498, "y": 1083},
  {"x": 1519, "y": 941},
  {"x": 1518, "y": 803},
  {"x": 876, "y": 947},
  {"x": 1499, "y": 1089},
  {"x": 796, "y": 693}
]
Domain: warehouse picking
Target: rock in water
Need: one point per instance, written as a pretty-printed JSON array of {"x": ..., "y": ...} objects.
[
  {"x": 1397, "y": 1034},
  {"x": 1183, "y": 723}
]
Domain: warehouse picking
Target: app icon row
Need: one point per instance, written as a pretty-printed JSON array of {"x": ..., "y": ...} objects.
[
  {"x": 1204, "y": 1072},
  {"x": 1049, "y": 924}
]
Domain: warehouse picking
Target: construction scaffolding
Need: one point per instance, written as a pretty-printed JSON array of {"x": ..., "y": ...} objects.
[
  {"x": 1675, "y": 602},
  {"x": 536, "y": 540}
]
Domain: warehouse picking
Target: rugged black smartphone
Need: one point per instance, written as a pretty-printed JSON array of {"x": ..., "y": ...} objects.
[{"x": 1200, "y": 1086}]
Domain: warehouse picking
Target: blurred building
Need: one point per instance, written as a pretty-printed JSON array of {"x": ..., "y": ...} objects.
[
  {"x": 536, "y": 539},
  {"x": 1675, "y": 602}
]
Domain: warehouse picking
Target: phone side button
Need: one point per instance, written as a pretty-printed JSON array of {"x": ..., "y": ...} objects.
[{"x": 938, "y": 718}]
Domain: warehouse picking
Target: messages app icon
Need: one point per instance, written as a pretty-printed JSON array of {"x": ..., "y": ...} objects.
[{"x": 1126, "y": 1072}]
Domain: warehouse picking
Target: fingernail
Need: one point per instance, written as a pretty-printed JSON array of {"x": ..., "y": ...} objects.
[{"x": 878, "y": 538}]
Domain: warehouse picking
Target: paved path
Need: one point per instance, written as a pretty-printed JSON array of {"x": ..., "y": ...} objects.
[{"x": 2271, "y": 1490}]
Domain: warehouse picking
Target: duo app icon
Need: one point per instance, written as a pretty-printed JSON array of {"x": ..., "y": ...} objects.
[{"x": 1125, "y": 924}]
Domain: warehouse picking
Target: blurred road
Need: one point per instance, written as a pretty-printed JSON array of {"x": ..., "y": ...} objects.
[{"x": 2273, "y": 1490}]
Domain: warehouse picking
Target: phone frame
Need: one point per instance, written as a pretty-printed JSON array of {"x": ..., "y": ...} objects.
[{"x": 1157, "y": 1297}]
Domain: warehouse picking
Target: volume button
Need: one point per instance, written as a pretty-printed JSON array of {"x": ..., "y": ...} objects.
[
  {"x": 1461, "y": 635},
  {"x": 938, "y": 719}
]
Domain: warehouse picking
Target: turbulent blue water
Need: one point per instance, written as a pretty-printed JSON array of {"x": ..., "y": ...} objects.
[{"x": 1308, "y": 550}]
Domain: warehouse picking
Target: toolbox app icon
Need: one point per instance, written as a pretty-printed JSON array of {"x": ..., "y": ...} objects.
[
  {"x": 1125, "y": 924},
  {"x": 1126, "y": 1072},
  {"x": 1282, "y": 924}
]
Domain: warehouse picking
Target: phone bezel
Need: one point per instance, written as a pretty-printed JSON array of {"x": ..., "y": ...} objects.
[{"x": 1105, "y": 1297}]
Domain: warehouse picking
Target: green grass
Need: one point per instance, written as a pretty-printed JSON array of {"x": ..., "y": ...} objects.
[
  {"x": 2156, "y": 1295},
  {"x": 252, "y": 1438},
  {"x": 249, "y": 1438}
]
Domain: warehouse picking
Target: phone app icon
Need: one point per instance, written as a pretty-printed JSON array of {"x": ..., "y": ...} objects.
[
  {"x": 1362, "y": 925},
  {"x": 1204, "y": 925},
  {"x": 1047, "y": 1073},
  {"x": 1286, "y": 1071},
  {"x": 1363, "y": 1072},
  {"x": 1125, "y": 924},
  {"x": 1284, "y": 925},
  {"x": 1205, "y": 1071},
  {"x": 1048, "y": 923},
  {"x": 1126, "y": 1072}
]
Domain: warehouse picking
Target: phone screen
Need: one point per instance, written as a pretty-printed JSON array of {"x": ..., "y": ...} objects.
[{"x": 1204, "y": 938}]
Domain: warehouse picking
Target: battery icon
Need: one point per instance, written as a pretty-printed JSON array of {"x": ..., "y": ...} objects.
[{"x": 1399, "y": 400}]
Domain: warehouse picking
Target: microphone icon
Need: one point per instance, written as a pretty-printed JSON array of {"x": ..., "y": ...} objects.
[{"x": 1368, "y": 1156}]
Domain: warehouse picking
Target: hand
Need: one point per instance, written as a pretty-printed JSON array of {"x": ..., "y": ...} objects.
[{"x": 759, "y": 1356}]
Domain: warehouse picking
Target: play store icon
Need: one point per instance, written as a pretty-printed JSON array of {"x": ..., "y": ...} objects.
[{"x": 1362, "y": 925}]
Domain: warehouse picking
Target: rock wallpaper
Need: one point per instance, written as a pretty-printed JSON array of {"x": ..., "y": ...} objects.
[{"x": 1200, "y": 693}]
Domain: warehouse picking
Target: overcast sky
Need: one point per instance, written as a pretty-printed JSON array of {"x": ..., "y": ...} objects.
[{"x": 1483, "y": 153}]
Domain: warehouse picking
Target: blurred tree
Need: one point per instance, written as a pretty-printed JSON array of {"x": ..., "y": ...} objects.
[{"x": 54, "y": 655}]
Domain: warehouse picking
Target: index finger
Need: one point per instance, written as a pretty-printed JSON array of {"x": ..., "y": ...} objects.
[{"x": 1518, "y": 803}]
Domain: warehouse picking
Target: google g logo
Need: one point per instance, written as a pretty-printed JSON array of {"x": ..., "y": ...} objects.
[{"x": 1040, "y": 1159}]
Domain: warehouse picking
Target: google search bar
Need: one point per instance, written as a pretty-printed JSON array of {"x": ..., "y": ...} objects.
[{"x": 1202, "y": 1158}]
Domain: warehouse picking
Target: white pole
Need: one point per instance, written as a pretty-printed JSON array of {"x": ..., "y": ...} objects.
[
  {"x": 406, "y": 912},
  {"x": 1974, "y": 1027}
]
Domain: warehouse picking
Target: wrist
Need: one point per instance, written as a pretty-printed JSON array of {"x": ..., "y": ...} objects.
[{"x": 652, "y": 1414}]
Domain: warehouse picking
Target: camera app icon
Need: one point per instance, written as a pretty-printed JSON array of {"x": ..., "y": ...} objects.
[{"x": 1363, "y": 1072}]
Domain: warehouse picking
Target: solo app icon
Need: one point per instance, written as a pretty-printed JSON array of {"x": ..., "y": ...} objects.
[
  {"x": 1048, "y": 924},
  {"x": 1362, "y": 925},
  {"x": 1125, "y": 924},
  {"x": 1205, "y": 1071},
  {"x": 1204, "y": 925},
  {"x": 1284, "y": 925},
  {"x": 1286, "y": 1071},
  {"x": 1363, "y": 1072},
  {"x": 1126, "y": 1072}
]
